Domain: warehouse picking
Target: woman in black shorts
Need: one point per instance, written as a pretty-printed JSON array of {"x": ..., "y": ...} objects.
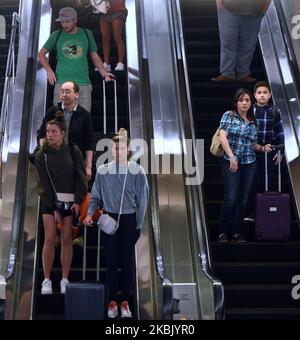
[{"x": 63, "y": 165}]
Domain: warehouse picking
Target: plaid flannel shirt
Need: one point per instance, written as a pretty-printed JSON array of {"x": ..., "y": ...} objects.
[{"x": 242, "y": 137}]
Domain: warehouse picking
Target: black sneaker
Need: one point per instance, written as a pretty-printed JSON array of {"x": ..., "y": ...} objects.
[
  {"x": 222, "y": 238},
  {"x": 238, "y": 238}
]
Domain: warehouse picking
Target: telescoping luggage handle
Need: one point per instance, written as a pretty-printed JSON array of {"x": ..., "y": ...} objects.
[
  {"x": 278, "y": 148},
  {"x": 105, "y": 107},
  {"x": 98, "y": 253}
]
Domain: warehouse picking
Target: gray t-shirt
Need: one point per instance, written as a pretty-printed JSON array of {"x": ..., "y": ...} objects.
[
  {"x": 246, "y": 7},
  {"x": 68, "y": 116}
]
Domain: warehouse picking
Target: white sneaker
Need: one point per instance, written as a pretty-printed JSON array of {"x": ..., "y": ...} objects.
[
  {"x": 125, "y": 311},
  {"x": 120, "y": 67},
  {"x": 249, "y": 219},
  {"x": 107, "y": 67},
  {"x": 112, "y": 311},
  {"x": 63, "y": 284},
  {"x": 47, "y": 287}
]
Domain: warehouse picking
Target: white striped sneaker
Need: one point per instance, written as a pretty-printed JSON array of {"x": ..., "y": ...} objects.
[
  {"x": 120, "y": 67},
  {"x": 47, "y": 287},
  {"x": 63, "y": 284}
]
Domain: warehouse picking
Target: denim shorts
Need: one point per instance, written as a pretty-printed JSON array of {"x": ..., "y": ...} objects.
[{"x": 111, "y": 17}]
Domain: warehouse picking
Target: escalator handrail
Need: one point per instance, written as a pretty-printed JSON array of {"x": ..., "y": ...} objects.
[
  {"x": 274, "y": 14},
  {"x": 10, "y": 71},
  {"x": 204, "y": 256},
  {"x": 10, "y": 75},
  {"x": 288, "y": 40},
  {"x": 22, "y": 167}
]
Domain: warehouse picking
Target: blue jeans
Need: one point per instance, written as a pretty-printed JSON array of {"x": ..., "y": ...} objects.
[
  {"x": 237, "y": 188},
  {"x": 238, "y": 36}
]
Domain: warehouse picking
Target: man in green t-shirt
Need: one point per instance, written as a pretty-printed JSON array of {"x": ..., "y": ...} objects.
[{"x": 72, "y": 45}]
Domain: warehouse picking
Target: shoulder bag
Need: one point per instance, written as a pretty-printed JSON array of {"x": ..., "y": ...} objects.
[{"x": 108, "y": 224}]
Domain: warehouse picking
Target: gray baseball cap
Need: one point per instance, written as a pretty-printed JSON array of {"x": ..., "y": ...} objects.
[{"x": 67, "y": 14}]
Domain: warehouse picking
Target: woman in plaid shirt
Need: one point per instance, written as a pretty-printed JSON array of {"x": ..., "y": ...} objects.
[{"x": 238, "y": 137}]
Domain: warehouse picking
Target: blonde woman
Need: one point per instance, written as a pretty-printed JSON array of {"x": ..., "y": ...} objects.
[{"x": 106, "y": 194}]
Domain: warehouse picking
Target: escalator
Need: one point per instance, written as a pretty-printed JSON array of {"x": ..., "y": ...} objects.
[
  {"x": 8, "y": 18},
  {"x": 21, "y": 229},
  {"x": 256, "y": 276},
  {"x": 52, "y": 307}
]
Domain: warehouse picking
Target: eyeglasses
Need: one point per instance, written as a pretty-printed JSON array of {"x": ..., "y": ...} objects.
[{"x": 66, "y": 91}]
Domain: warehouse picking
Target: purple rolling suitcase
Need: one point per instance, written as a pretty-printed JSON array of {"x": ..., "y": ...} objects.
[
  {"x": 273, "y": 215},
  {"x": 85, "y": 300}
]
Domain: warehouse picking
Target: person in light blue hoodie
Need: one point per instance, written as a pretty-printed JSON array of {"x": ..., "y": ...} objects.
[{"x": 106, "y": 194}]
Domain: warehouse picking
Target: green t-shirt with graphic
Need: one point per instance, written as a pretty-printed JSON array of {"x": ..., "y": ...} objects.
[{"x": 72, "y": 55}]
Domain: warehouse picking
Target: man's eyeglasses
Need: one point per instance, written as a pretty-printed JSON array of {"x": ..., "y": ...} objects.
[{"x": 65, "y": 91}]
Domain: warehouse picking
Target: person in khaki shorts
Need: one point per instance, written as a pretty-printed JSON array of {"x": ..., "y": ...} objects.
[{"x": 72, "y": 45}]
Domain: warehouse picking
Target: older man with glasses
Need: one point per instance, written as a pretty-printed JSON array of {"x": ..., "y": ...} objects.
[{"x": 78, "y": 121}]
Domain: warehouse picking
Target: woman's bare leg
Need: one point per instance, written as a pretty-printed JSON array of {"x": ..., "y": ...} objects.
[
  {"x": 66, "y": 255},
  {"x": 117, "y": 27},
  {"x": 105, "y": 34},
  {"x": 49, "y": 244}
]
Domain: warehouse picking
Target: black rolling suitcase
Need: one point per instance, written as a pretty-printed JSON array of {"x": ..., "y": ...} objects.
[{"x": 85, "y": 300}]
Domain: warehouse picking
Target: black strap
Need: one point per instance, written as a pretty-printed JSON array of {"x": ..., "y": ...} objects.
[
  {"x": 50, "y": 178},
  {"x": 72, "y": 152},
  {"x": 57, "y": 37}
]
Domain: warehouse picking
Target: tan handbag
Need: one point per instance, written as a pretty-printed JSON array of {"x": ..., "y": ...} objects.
[{"x": 216, "y": 147}]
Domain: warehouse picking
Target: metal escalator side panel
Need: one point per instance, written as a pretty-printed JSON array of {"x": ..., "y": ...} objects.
[
  {"x": 11, "y": 149},
  {"x": 210, "y": 289},
  {"x": 177, "y": 236},
  {"x": 148, "y": 288},
  {"x": 21, "y": 200}
]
